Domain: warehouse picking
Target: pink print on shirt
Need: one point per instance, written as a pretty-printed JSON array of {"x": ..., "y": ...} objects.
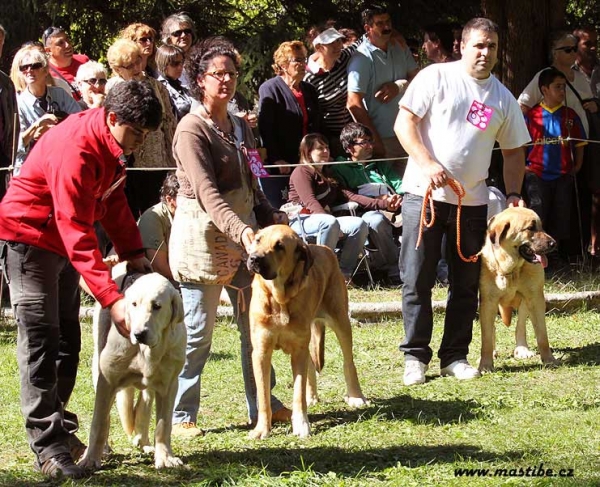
[{"x": 480, "y": 115}]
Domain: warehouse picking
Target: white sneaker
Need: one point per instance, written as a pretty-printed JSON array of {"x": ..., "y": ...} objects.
[
  {"x": 414, "y": 372},
  {"x": 461, "y": 370}
]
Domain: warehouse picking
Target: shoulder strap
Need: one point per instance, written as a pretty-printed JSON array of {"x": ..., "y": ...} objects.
[
  {"x": 74, "y": 89},
  {"x": 574, "y": 91}
]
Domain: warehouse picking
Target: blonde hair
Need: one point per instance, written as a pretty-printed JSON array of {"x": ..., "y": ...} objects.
[
  {"x": 123, "y": 52},
  {"x": 36, "y": 54},
  {"x": 91, "y": 69},
  {"x": 283, "y": 53}
]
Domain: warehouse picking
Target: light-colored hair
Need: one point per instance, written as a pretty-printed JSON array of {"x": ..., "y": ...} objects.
[
  {"x": 558, "y": 37},
  {"x": 91, "y": 69},
  {"x": 165, "y": 55},
  {"x": 123, "y": 52},
  {"x": 176, "y": 20},
  {"x": 283, "y": 53},
  {"x": 36, "y": 56}
]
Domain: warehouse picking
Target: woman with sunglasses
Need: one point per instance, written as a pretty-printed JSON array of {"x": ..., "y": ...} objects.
[
  {"x": 169, "y": 62},
  {"x": 179, "y": 30},
  {"x": 219, "y": 207},
  {"x": 145, "y": 37},
  {"x": 41, "y": 107},
  {"x": 91, "y": 80}
]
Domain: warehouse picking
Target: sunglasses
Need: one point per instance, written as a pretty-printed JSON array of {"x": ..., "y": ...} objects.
[
  {"x": 96, "y": 81},
  {"x": 362, "y": 143},
  {"x": 175, "y": 64},
  {"x": 143, "y": 40},
  {"x": 34, "y": 66},
  {"x": 567, "y": 49},
  {"x": 51, "y": 32},
  {"x": 220, "y": 75},
  {"x": 181, "y": 32}
]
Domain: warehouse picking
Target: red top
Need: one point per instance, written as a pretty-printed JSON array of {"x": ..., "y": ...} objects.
[
  {"x": 300, "y": 99},
  {"x": 64, "y": 186},
  {"x": 70, "y": 71}
]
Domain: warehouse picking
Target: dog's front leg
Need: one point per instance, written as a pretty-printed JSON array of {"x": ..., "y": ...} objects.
[
  {"x": 312, "y": 397},
  {"x": 537, "y": 308},
  {"x": 300, "y": 424},
  {"x": 105, "y": 396},
  {"x": 488, "y": 310},
  {"x": 163, "y": 456},
  {"x": 521, "y": 348},
  {"x": 261, "y": 365}
]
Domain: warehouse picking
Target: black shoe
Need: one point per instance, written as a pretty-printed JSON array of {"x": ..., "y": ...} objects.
[{"x": 60, "y": 466}]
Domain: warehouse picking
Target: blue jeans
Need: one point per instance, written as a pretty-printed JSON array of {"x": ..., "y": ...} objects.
[
  {"x": 418, "y": 272},
  {"x": 200, "y": 302},
  {"x": 327, "y": 229},
  {"x": 380, "y": 236},
  {"x": 44, "y": 292}
]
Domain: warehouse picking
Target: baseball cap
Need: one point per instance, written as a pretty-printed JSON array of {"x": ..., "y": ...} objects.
[{"x": 327, "y": 37}]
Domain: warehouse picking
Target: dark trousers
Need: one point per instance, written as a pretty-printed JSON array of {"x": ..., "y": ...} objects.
[
  {"x": 418, "y": 272},
  {"x": 44, "y": 293}
]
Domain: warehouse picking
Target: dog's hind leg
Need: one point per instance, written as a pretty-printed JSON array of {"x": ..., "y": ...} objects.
[
  {"x": 125, "y": 400},
  {"x": 488, "y": 310},
  {"x": 163, "y": 456},
  {"x": 143, "y": 412},
  {"x": 299, "y": 359},
  {"x": 522, "y": 350},
  {"x": 312, "y": 397},
  {"x": 537, "y": 307}
]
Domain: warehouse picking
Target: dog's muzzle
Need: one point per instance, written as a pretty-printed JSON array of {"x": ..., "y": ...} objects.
[
  {"x": 258, "y": 265},
  {"x": 537, "y": 255}
]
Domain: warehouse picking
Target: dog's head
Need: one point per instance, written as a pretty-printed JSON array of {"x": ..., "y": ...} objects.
[
  {"x": 518, "y": 231},
  {"x": 153, "y": 308},
  {"x": 277, "y": 251}
]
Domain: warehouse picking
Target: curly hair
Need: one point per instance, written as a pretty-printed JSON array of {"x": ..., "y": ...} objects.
[
  {"x": 353, "y": 131},
  {"x": 200, "y": 57},
  {"x": 135, "y": 103},
  {"x": 283, "y": 53},
  {"x": 123, "y": 52},
  {"x": 169, "y": 187}
]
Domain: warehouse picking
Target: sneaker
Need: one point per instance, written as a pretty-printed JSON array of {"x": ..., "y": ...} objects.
[
  {"x": 414, "y": 372},
  {"x": 60, "y": 466},
  {"x": 461, "y": 370},
  {"x": 186, "y": 430}
]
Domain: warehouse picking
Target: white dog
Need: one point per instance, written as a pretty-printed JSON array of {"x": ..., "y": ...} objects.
[{"x": 150, "y": 361}]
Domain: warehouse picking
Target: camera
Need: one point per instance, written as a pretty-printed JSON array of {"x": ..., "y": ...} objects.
[{"x": 54, "y": 109}]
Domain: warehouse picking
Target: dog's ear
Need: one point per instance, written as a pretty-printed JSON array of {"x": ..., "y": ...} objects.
[
  {"x": 497, "y": 233},
  {"x": 176, "y": 308},
  {"x": 305, "y": 255}
]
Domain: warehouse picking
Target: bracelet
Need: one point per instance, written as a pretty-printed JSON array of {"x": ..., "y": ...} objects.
[{"x": 515, "y": 194}]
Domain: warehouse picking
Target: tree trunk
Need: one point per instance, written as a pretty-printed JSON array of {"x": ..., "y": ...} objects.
[{"x": 524, "y": 35}]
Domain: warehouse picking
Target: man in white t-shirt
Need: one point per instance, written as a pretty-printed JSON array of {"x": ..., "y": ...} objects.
[{"x": 449, "y": 120}]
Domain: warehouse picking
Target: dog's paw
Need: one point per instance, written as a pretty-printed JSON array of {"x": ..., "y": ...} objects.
[
  {"x": 90, "y": 464},
  {"x": 142, "y": 443},
  {"x": 148, "y": 449},
  {"x": 356, "y": 402},
  {"x": 486, "y": 366},
  {"x": 551, "y": 361},
  {"x": 522, "y": 352},
  {"x": 167, "y": 461},
  {"x": 259, "y": 433},
  {"x": 300, "y": 425},
  {"x": 312, "y": 400}
]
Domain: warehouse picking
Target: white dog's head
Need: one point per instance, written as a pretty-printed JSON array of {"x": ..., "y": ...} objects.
[{"x": 153, "y": 307}]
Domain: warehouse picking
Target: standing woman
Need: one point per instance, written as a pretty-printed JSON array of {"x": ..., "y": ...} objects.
[
  {"x": 179, "y": 30},
  {"x": 219, "y": 207},
  {"x": 289, "y": 107},
  {"x": 145, "y": 37},
  {"x": 169, "y": 62},
  {"x": 143, "y": 187}
]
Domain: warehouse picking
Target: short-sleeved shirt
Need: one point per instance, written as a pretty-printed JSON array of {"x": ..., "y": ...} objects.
[
  {"x": 553, "y": 156},
  {"x": 70, "y": 72},
  {"x": 461, "y": 119},
  {"x": 155, "y": 227},
  {"x": 369, "y": 68}
]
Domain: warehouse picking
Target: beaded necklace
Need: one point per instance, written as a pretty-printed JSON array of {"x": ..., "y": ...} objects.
[{"x": 228, "y": 137}]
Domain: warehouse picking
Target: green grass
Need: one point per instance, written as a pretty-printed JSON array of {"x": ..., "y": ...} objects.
[{"x": 521, "y": 416}]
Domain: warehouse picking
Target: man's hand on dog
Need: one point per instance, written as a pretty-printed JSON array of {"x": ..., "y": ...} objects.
[{"x": 117, "y": 314}]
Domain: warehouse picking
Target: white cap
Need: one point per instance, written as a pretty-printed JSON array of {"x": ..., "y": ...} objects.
[{"x": 327, "y": 37}]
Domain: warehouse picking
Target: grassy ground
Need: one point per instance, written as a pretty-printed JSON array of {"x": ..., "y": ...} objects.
[{"x": 522, "y": 416}]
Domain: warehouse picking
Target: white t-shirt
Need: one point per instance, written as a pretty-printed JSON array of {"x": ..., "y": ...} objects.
[
  {"x": 461, "y": 119},
  {"x": 532, "y": 95}
]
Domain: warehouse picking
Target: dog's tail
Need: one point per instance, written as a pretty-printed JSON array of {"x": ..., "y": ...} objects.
[
  {"x": 317, "y": 344},
  {"x": 125, "y": 399},
  {"x": 505, "y": 314}
]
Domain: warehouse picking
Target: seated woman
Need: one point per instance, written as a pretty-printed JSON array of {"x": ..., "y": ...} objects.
[
  {"x": 91, "y": 81},
  {"x": 317, "y": 193},
  {"x": 41, "y": 107}
]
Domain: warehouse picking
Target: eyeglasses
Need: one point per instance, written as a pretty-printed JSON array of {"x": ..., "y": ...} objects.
[
  {"x": 362, "y": 143},
  {"x": 34, "y": 66},
  {"x": 298, "y": 60},
  {"x": 96, "y": 81},
  {"x": 143, "y": 40},
  {"x": 181, "y": 32},
  {"x": 567, "y": 49},
  {"x": 220, "y": 75}
]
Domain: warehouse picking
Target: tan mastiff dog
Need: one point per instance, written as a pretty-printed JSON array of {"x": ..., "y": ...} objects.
[
  {"x": 512, "y": 277},
  {"x": 296, "y": 287}
]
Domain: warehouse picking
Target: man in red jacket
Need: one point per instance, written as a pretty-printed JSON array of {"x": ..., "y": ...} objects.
[{"x": 72, "y": 178}]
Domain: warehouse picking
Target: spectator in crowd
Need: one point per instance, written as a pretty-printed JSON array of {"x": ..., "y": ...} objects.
[
  {"x": 143, "y": 187},
  {"x": 8, "y": 109},
  {"x": 179, "y": 30},
  {"x": 91, "y": 80},
  {"x": 457, "y": 34},
  {"x": 438, "y": 43},
  {"x": 48, "y": 240},
  {"x": 169, "y": 62},
  {"x": 327, "y": 72},
  {"x": 41, "y": 107},
  {"x": 318, "y": 194},
  {"x": 587, "y": 56},
  {"x": 155, "y": 227},
  {"x": 378, "y": 74},
  {"x": 377, "y": 181},
  {"x": 288, "y": 106},
  {"x": 457, "y": 144},
  {"x": 219, "y": 207},
  {"x": 553, "y": 162},
  {"x": 350, "y": 36},
  {"x": 63, "y": 62},
  {"x": 145, "y": 37}
]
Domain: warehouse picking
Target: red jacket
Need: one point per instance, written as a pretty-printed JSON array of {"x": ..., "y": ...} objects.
[{"x": 64, "y": 186}]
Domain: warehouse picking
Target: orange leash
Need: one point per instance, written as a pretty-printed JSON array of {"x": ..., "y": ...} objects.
[{"x": 427, "y": 200}]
